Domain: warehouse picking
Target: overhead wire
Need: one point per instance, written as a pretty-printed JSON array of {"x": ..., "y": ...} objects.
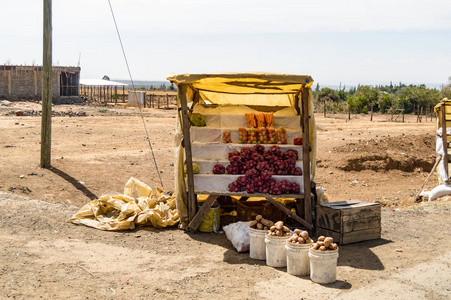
[{"x": 133, "y": 87}]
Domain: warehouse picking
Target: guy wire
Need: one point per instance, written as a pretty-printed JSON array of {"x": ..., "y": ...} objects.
[{"x": 133, "y": 87}]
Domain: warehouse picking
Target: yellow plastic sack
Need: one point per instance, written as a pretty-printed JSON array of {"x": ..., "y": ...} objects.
[{"x": 123, "y": 212}]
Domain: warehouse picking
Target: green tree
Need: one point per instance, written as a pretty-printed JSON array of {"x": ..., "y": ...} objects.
[
  {"x": 445, "y": 92},
  {"x": 327, "y": 94}
]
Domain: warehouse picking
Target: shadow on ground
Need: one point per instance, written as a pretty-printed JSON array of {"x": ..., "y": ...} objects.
[
  {"x": 360, "y": 255},
  {"x": 74, "y": 182}
]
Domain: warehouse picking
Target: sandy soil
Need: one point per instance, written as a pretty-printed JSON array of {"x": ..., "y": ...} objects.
[{"x": 98, "y": 149}]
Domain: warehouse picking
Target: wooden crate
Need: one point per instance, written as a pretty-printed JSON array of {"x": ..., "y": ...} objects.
[{"x": 349, "y": 221}]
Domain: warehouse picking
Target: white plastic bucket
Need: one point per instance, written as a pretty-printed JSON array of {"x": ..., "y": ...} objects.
[
  {"x": 323, "y": 265},
  {"x": 257, "y": 246},
  {"x": 298, "y": 262},
  {"x": 276, "y": 254}
]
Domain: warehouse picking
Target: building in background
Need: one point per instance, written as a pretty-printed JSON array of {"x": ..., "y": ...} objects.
[{"x": 25, "y": 82}]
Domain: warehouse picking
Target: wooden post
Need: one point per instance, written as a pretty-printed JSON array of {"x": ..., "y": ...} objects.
[
  {"x": 158, "y": 101},
  {"x": 167, "y": 101},
  {"x": 444, "y": 135},
  {"x": 371, "y": 118},
  {"x": 349, "y": 112},
  {"x": 116, "y": 95},
  {"x": 188, "y": 153},
  {"x": 324, "y": 107},
  {"x": 199, "y": 217},
  {"x": 403, "y": 112},
  {"x": 418, "y": 115},
  {"x": 306, "y": 155},
  {"x": 421, "y": 114},
  {"x": 123, "y": 93},
  {"x": 46, "y": 120}
]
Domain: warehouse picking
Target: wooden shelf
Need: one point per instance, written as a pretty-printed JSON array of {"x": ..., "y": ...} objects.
[{"x": 243, "y": 194}]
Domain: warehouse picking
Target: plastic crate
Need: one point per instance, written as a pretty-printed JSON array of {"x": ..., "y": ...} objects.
[{"x": 248, "y": 210}]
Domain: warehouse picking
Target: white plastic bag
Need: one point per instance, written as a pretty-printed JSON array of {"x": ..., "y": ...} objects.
[
  {"x": 238, "y": 234},
  {"x": 440, "y": 191}
]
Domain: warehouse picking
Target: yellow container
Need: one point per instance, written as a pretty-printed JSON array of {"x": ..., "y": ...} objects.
[{"x": 211, "y": 221}]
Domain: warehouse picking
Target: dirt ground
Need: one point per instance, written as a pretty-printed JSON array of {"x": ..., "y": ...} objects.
[{"x": 95, "y": 150}]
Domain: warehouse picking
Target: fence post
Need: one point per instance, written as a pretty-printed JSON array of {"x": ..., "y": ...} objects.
[
  {"x": 167, "y": 101},
  {"x": 403, "y": 112},
  {"x": 371, "y": 118}
]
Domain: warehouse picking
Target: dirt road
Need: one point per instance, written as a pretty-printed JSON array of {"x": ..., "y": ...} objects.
[{"x": 45, "y": 256}]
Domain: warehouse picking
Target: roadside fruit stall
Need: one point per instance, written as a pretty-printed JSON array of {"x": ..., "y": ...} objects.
[{"x": 244, "y": 135}]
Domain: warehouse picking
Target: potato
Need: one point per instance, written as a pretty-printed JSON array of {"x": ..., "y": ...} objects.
[
  {"x": 291, "y": 240},
  {"x": 272, "y": 228},
  {"x": 301, "y": 240},
  {"x": 322, "y": 248},
  {"x": 270, "y": 223},
  {"x": 265, "y": 222},
  {"x": 321, "y": 238},
  {"x": 304, "y": 234},
  {"x": 297, "y": 231},
  {"x": 333, "y": 247},
  {"x": 253, "y": 223},
  {"x": 285, "y": 229},
  {"x": 328, "y": 241},
  {"x": 314, "y": 246},
  {"x": 320, "y": 243},
  {"x": 279, "y": 233},
  {"x": 265, "y": 228},
  {"x": 273, "y": 233},
  {"x": 259, "y": 226},
  {"x": 259, "y": 217},
  {"x": 279, "y": 225},
  {"x": 309, "y": 240},
  {"x": 287, "y": 234}
]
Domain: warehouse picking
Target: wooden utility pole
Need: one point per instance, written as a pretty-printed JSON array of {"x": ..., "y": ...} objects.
[{"x": 46, "y": 120}]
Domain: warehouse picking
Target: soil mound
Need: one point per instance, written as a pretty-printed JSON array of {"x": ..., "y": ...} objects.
[{"x": 405, "y": 152}]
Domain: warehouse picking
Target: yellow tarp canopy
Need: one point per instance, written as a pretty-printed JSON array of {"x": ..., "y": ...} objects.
[{"x": 264, "y": 89}]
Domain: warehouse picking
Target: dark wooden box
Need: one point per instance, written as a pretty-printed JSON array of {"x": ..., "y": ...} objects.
[{"x": 349, "y": 221}]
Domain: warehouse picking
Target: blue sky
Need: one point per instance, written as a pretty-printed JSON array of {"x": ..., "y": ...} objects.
[{"x": 367, "y": 42}]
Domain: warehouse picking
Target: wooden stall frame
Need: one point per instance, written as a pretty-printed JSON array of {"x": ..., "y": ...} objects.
[{"x": 195, "y": 216}]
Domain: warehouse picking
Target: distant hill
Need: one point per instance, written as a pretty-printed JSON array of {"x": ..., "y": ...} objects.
[{"x": 146, "y": 83}]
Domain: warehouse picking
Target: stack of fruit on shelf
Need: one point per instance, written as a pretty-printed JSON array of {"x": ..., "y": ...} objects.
[
  {"x": 242, "y": 136},
  {"x": 251, "y": 121},
  {"x": 282, "y": 135},
  {"x": 258, "y": 166},
  {"x": 272, "y": 136},
  {"x": 278, "y": 229},
  {"x": 297, "y": 141},
  {"x": 260, "y": 223},
  {"x": 226, "y": 138},
  {"x": 324, "y": 244},
  {"x": 262, "y": 137},
  {"x": 218, "y": 169},
  {"x": 252, "y": 136}
]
